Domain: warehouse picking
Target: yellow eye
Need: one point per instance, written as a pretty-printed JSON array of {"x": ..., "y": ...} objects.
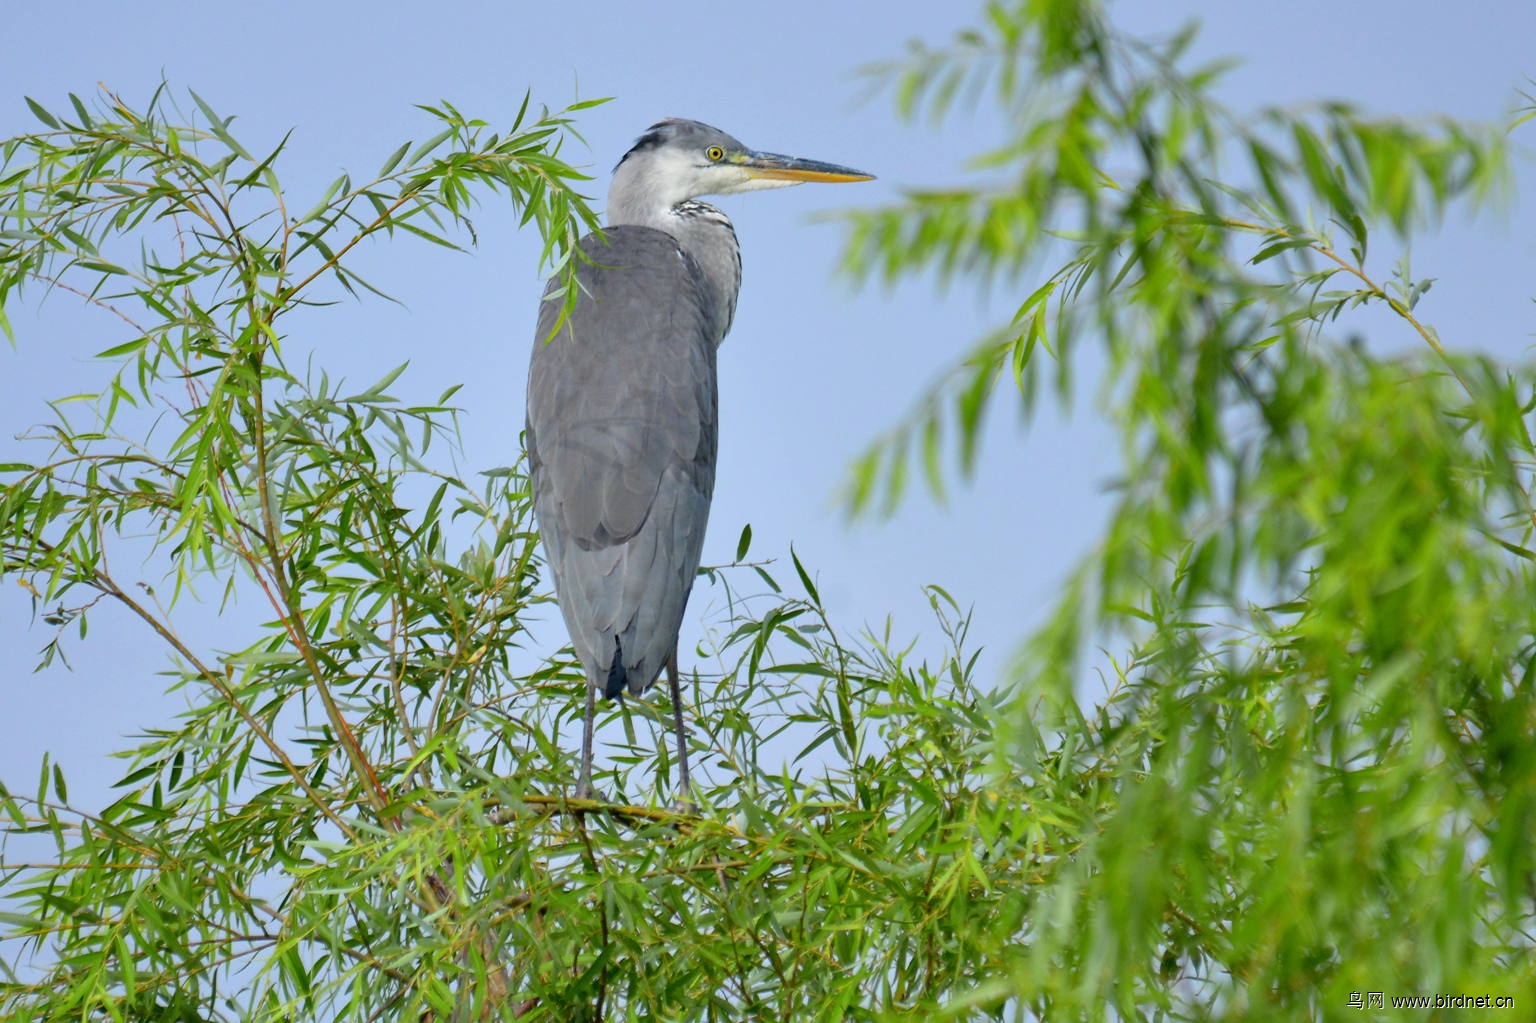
[{"x": 715, "y": 153}]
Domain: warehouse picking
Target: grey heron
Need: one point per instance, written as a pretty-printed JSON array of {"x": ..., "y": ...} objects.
[{"x": 622, "y": 430}]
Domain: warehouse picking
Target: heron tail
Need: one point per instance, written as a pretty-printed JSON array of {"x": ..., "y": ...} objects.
[{"x": 616, "y": 673}]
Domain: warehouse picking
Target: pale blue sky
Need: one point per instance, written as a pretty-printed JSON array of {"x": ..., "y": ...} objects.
[{"x": 811, "y": 370}]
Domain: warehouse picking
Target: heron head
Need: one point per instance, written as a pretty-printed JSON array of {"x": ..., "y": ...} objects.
[{"x": 678, "y": 159}]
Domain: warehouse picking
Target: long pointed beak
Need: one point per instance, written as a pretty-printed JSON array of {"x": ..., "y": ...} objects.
[{"x": 793, "y": 168}]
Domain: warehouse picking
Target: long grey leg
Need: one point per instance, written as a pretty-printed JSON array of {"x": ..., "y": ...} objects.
[
  {"x": 681, "y": 802},
  {"x": 584, "y": 788}
]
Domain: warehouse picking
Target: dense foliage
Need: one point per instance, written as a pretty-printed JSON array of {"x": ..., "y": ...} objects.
[{"x": 1313, "y": 773}]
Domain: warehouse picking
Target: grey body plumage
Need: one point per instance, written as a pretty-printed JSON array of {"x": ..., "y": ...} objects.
[
  {"x": 622, "y": 427},
  {"x": 622, "y": 439}
]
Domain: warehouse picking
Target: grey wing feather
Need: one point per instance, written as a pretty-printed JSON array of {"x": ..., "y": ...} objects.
[{"x": 622, "y": 440}]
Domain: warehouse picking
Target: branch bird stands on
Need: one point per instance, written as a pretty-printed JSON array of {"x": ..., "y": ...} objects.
[{"x": 622, "y": 426}]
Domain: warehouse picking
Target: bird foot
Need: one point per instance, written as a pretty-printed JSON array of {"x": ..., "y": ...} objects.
[{"x": 586, "y": 790}]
